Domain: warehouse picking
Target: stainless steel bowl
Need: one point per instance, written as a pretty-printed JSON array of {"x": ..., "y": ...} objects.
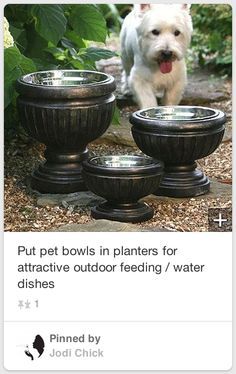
[
  {"x": 65, "y": 78},
  {"x": 123, "y": 161},
  {"x": 178, "y": 119},
  {"x": 121, "y": 165},
  {"x": 178, "y": 113},
  {"x": 66, "y": 84}
]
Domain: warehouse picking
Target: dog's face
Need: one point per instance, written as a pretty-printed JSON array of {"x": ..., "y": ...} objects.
[{"x": 164, "y": 34}]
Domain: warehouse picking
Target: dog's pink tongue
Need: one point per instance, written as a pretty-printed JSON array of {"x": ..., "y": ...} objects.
[{"x": 166, "y": 66}]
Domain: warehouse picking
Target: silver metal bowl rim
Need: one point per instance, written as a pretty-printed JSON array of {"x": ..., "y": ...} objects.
[
  {"x": 215, "y": 113},
  {"x": 106, "y": 76},
  {"x": 151, "y": 162}
]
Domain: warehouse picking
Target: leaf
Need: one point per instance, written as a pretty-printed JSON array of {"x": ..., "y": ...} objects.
[
  {"x": 88, "y": 22},
  {"x": 81, "y": 62},
  {"x": 75, "y": 38},
  {"x": 116, "y": 117},
  {"x": 15, "y": 65},
  {"x": 9, "y": 81},
  {"x": 77, "y": 64},
  {"x": 67, "y": 44},
  {"x": 44, "y": 65},
  {"x": 27, "y": 65},
  {"x": 17, "y": 12},
  {"x": 96, "y": 54},
  {"x": 12, "y": 58},
  {"x": 35, "y": 44},
  {"x": 58, "y": 53},
  {"x": 50, "y": 21},
  {"x": 15, "y": 31}
]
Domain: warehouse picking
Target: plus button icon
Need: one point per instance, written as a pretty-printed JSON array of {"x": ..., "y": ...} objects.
[{"x": 220, "y": 220}]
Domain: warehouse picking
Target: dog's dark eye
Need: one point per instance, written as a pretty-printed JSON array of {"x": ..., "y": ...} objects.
[
  {"x": 155, "y": 32},
  {"x": 177, "y": 32}
]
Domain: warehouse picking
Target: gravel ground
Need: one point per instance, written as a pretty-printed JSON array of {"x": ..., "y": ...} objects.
[{"x": 22, "y": 213}]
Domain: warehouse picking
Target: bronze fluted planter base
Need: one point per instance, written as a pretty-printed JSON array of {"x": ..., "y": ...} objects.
[
  {"x": 60, "y": 174},
  {"x": 134, "y": 212},
  {"x": 183, "y": 181}
]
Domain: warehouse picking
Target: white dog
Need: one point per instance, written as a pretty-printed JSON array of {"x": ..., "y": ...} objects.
[{"x": 154, "y": 40}]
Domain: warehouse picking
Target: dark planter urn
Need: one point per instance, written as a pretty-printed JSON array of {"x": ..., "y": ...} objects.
[
  {"x": 179, "y": 135},
  {"x": 65, "y": 110},
  {"x": 122, "y": 181}
]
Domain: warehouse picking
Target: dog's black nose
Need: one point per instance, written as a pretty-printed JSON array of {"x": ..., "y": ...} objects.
[{"x": 166, "y": 55}]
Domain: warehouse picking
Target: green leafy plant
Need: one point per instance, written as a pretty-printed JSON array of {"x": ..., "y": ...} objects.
[
  {"x": 48, "y": 36},
  {"x": 114, "y": 14},
  {"x": 212, "y": 36}
]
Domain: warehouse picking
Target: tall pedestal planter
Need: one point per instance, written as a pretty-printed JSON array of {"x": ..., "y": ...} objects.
[
  {"x": 65, "y": 110},
  {"x": 178, "y": 136}
]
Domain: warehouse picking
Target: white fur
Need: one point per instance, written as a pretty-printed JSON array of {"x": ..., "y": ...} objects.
[{"x": 140, "y": 50}]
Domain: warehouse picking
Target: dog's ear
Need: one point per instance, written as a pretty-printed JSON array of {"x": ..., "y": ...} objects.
[
  {"x": 186, "y": 7},
  {"x": 139, "y": 9},
  {"x": 139, "y": 12},
  {"x": 144, "y": 7}
]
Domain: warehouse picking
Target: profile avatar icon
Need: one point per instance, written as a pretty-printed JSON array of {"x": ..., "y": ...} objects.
[{"x": 38, "y": 344}]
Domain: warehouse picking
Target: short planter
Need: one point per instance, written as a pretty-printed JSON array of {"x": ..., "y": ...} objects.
[
  {"x": 65, "y": 110},
  {"x": 122, "y": 181},
  {"x": 179, "y": 135}
]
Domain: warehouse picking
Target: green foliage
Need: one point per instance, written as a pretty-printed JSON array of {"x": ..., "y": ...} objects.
[
  {"x": 50, "y": 22},
  {"x": 50, "y": 36},
  {"x": 114, "y": 14},
  {"x": 88, "y": 22},
  {"x": 212, "y": 36},
  {"x": 16, "y": 65},
  {"x": 116, "y": 117}
]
